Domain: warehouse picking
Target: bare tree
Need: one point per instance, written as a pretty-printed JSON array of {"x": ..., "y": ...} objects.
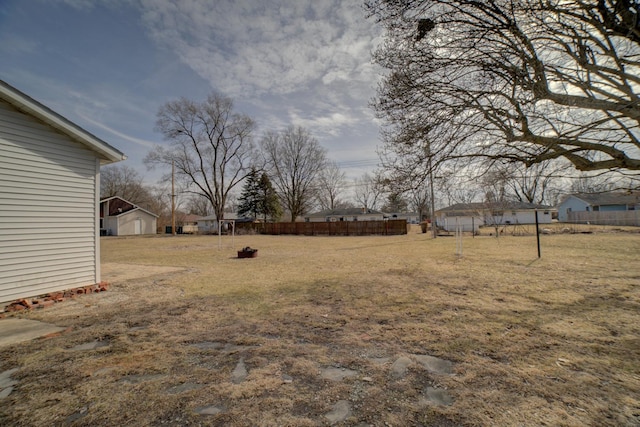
[
  {"x": 330, "y": 185},
  {"x": 122, "y": 181},
  {"x": 497, "y": 198},
  {"x": 368, "y": 191},
  {"x": 160, "y": 203},
  {"x": 198, "y": 205},
  {"x": 210, "y": 145},
  {"x": 536, "y": 183},
  {"x": 420, "y": 200},
  {"x": 592, "y": 183},
  {"x": 294, "y": 161},
  {"x": 527, "y": 81},
  {"x": 457, "y": 186}
]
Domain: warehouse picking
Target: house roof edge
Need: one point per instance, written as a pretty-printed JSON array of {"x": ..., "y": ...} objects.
[{"x": 25, "y": 103}]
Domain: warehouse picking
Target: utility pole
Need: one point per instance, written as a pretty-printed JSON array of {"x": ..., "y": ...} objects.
[
  {"x": 434, "y": 230},
  {"x": 173, "y": 198}
]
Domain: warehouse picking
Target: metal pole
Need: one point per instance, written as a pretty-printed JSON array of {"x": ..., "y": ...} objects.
[
  {"x": 434, "y": 231},
  {"x": 537, "y": 234},
  {"x": 173, "y": 199}
]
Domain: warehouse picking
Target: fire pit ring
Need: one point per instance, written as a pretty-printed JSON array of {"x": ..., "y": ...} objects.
[{"x": 247, "y": 252}]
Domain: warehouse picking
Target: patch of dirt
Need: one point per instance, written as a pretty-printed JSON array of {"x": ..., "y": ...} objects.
[{"x": 117, "y": 272}]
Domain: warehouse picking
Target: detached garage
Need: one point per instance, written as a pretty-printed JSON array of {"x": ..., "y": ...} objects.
[
  {"x": 49, "y": 193},
  {"x": 119, "y": 217}
]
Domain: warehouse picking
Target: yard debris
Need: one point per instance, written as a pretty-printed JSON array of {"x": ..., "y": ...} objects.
[{"x": 48, "y": 300}]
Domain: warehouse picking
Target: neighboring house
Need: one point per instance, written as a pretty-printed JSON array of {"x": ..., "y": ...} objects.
[
  {"x": 471, "y": 216},
  {"x": 598, "y": 202},
  {"x": 188, "y": 223},
  {"x": 49, "y": 193},
  {"x": 348, "y": 214},
  {"x": 209, "y": 224},
  {"x": 119, "y": 217},
  {"x": 411, "y": 217}
]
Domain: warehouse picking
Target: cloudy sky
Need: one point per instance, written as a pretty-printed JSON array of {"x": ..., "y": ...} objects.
[{"x": 108, "y": 65}]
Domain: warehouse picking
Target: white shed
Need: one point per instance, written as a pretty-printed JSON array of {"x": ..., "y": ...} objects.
[
  {"x": 49, "y": 193},
  {"x": 119, "y": 217}
]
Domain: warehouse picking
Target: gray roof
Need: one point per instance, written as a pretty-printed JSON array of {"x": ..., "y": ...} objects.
[
  {"x": 612, "y": 198},
  {"x": 228, "y": 217}
]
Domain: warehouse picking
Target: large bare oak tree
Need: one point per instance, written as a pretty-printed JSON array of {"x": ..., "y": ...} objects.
[
  {"x": 210, "y": 144},
  {"x": 518, "y": 80},
  {"x": 294, "y": 161}
]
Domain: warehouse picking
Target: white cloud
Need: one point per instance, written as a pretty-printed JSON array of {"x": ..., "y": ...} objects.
[
  {"x": 139, "y": 141},
  {"x": 328, "y": 124},
  {"x": 247, "y": 47},
  {"x": 300, "y": 62}
]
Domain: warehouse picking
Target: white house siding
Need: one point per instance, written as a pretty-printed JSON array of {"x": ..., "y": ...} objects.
[
  {"x": 521, "y": 217},
  {"x": 469, "y": 223},
  {"x": 466, "y": 223},
  {"x": 111, "y": 225},
  {"x": 48, "y": 209}
]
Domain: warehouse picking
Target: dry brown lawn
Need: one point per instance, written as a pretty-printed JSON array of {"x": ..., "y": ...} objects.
[{"x": 552, "y": 341}]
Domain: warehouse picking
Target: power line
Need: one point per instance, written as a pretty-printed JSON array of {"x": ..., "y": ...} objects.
[{"x": 358, "y": 163}]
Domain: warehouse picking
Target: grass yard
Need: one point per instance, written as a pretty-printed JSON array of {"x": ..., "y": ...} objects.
[{"x": 337, "y": 330}]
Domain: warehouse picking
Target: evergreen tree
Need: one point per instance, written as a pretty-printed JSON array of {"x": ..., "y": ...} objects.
[
  {"x": 395, "y": 203},
  {"x": 259, "y": 198},
  {"x": 250, "y": 198},
  {"x": 269, "y": 201}
]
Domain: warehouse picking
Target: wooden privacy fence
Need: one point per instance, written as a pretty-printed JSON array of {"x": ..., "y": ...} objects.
[
  {"x": 622, "y": 218},
  {"x": 339, "y": 228}
]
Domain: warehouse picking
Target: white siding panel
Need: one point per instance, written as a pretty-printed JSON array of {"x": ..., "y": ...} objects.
[{"x": 47, "y": 209}]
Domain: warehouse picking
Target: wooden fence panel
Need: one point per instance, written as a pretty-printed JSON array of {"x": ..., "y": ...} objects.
[{"x": 339, "y": 228}]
